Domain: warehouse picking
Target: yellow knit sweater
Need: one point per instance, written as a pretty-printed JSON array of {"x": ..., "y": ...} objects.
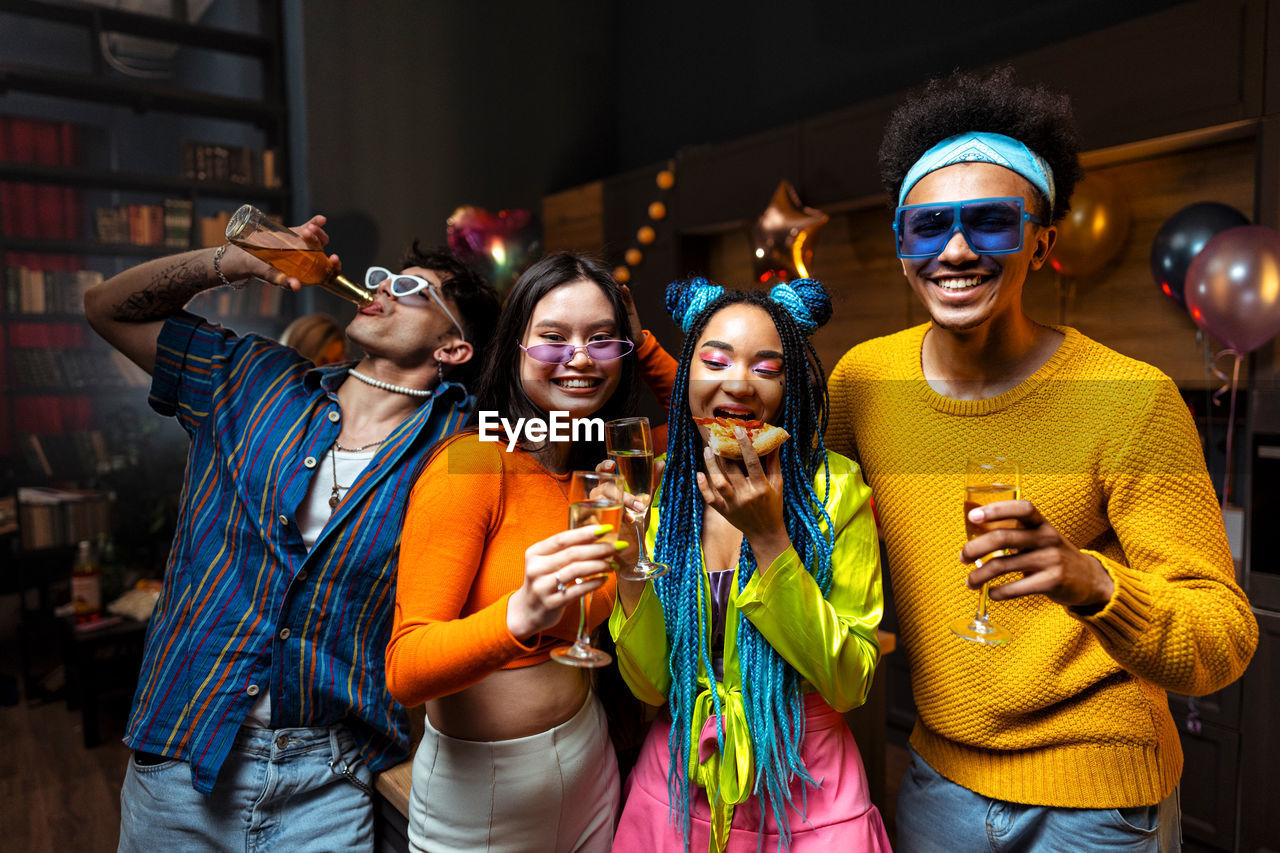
[{"x": 1072, "y": 712}]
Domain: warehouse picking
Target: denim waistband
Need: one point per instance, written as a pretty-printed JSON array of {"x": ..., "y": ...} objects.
[{"x": 284, "y": 743}]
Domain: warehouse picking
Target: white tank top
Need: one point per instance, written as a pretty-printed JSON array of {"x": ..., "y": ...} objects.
[{"x": 313, "y": 514}]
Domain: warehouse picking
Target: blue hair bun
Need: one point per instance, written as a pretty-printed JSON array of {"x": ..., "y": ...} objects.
[
  {"x": 806, "y": 300},
  {"x": 687, "y": 299}
]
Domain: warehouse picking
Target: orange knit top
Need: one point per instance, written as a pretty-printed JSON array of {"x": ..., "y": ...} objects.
[{"x": 472, "y": 513}]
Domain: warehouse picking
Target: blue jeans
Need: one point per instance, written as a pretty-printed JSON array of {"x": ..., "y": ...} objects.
[
  {"x": 935, "y": 815},
  {"x": 285, "y": 790}
]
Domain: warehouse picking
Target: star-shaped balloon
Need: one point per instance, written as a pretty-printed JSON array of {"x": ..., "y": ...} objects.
[{"x": 783, "y": 236}]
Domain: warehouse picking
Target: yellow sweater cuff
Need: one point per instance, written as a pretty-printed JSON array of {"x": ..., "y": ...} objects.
[{"x": 1127, "y": 616}]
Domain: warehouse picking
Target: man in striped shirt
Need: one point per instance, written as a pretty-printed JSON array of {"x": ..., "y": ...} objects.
[{"x": 261, "y": 713}]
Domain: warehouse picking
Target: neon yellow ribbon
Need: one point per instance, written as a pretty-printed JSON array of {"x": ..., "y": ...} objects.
[{"x": 727, "y": 777}]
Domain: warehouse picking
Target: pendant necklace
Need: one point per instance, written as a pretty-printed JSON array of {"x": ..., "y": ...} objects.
[{"x": 335, "y": 496}]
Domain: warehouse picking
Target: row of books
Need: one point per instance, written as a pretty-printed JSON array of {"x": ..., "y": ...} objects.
[
  {"x": 57, "y": 355},
  {"x": 83, "y": 369},
  {"x": 52, "y": 517},
  {"x": 234, "y": 164},
  {"x": 262, "y": 300},
  {"x": 64, "y": 456},
  {"x": 165, "y": 224},
  {"x": 28, "y": 291},
  {"x": 168, "y": 224},
  {"x": 52, "y": 414},
  {"x": 40, "y": 210}
]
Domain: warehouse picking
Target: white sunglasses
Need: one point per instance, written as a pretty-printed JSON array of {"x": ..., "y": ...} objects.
[{"x": 403, "y": 285}]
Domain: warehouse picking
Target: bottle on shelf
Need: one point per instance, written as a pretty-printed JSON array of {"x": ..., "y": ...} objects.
[
  {"x": 86, "y": 585},
  {"x": 251, "y": 230}
]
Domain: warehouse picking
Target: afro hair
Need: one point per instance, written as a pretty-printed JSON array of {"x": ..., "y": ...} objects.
[{"x": 966, "y": 102}]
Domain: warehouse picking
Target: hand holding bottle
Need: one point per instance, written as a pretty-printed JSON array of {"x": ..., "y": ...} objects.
[
  {"x": 238, "y": 264},
  {"x": 292, "y": 255}
]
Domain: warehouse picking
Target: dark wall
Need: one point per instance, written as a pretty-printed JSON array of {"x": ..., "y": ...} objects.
[
  {"x": 416, "y": 108},
  {"x": 692, "y": 74}
]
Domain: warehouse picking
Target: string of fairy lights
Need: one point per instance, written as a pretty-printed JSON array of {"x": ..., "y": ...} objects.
[{"x": 646, "y": 234}]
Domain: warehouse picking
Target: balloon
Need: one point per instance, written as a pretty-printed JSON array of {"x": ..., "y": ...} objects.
[
  {"x": 1093, "y": 231},
  {"x": 500, "y": 246},
  {"x": 783, "y": 236},
  {"x": 1181, "y": 238},
  {"x": 1233, "y": 287}
]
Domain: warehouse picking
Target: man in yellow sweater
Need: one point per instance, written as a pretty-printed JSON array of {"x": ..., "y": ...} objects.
[{"x": 1119, "y": 586}]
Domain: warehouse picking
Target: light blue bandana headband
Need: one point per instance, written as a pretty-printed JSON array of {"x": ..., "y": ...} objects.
[{"x": 983, "y": 148}]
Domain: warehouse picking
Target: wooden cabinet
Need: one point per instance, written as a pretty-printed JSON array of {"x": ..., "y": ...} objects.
[
  {"x": 1260, "y": 734},
  {"x": 1209, "y": 728}
]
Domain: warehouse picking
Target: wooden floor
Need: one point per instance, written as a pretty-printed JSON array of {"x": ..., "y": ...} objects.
[
  {"x": 55, "y": 795},
  {"x": 896, "y": 760}
]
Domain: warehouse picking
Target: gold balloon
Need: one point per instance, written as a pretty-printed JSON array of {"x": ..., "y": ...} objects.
[
  {"x": 783, "y": 237},
  {"x": 657, "y": 210},
  {"x": 633, "y": 257},
  {"x": 621, "y": 274},
  {"x": 646, "y": 235},
  {"x": 1094, "y": 230},
  {"x": 666, "y": 179}
]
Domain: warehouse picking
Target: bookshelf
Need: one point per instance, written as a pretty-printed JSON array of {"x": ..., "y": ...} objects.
[{"x": 100, "y": 170}]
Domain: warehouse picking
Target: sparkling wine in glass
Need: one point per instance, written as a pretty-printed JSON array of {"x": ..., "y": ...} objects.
[
  {"x": 988, "y": 479},
  {"x": 284, "y": 249},
  {"x": 594, "y": 498},
  {"x": 629, "y": 443}
]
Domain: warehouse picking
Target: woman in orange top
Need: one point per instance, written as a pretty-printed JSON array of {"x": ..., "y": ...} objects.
[{"x": 516, "y": 754}]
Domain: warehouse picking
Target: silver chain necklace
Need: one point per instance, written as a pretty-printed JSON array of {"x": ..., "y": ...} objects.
[{"x": 335, "y": 496}]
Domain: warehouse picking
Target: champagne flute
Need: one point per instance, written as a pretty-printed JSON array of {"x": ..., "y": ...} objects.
[
  {"x": 629, "y": 443},
  {"x": 987, "y": 479},
  {"x": 594, "y": 498},
  {"x": 251, "y": 230}
]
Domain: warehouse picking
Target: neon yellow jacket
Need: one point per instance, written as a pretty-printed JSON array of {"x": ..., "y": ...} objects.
[{"x": 831, "y": 641}]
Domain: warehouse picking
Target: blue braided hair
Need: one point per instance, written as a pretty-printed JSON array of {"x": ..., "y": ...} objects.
[{"x": 770, "y": 687}]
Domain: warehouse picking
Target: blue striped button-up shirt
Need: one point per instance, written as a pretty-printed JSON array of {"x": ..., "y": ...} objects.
[{"x": 245, "y": 607}]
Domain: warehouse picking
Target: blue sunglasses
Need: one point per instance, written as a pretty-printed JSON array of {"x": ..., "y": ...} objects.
[{"x": 991, "y": 226}]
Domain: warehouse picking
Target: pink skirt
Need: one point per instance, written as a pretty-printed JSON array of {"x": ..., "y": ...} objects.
[{"x": 839, "y": 816}]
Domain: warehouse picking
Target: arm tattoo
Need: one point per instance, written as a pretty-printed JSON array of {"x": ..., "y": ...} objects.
[{"x": 169, "y": 290}]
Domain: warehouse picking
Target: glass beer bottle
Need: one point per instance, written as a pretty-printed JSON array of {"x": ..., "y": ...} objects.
[
  {"x": 269, "y": 241},
  {"x": 86, "y": 584}
]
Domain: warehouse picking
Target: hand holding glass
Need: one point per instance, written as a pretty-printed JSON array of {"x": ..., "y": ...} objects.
[
  {"x": 288, "y": 252},
  {"x": 987, "y": 480},
  {"x": 594, "y": 498},
  {"x": 629, "y": 443}
]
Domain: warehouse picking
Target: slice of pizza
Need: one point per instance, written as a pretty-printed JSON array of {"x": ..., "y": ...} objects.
[{"x": 765, "y": 438}]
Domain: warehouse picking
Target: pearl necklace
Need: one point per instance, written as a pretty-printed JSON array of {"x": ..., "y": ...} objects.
[{"x": 387, "y": 386}]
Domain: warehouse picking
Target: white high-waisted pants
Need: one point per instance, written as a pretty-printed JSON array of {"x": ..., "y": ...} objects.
[{"x": 553, "y": 792}]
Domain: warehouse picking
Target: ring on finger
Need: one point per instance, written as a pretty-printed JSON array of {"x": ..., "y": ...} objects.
[{"x": 560, "y": 586}]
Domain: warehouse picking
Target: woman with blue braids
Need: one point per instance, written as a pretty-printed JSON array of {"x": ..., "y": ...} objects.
[{"x": 764, "y": 630}]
